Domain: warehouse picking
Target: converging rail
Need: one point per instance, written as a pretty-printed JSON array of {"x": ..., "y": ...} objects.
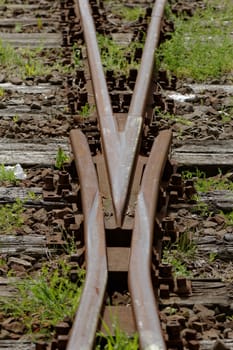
[{"x": 130, "y": 179}]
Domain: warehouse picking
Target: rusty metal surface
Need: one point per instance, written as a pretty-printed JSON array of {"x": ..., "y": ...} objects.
[
  {"x": 83, "y": 332},
  {"x": 120, "y": 148},
  {"x": 120, "y": 153},
  {"x": 140, "y": 285}
]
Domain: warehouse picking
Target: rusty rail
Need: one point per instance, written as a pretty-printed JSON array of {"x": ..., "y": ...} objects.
[
  {"x": 120, "y": 148},
  {"x": 120, "y": 151},
  {"x": 82, "y": 336},
  {"x": 144, "y": 305}
]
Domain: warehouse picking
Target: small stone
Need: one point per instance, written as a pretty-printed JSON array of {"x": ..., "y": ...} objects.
[
  {"x": 228, "y": 237},
  {"x": 41, "y": 80},
  {"x": 3, "y": 8},
  {"x": 28, "y": 258},
  {"x": 18, "y": 11},
  {"x": 219, "y": 345},
  {"x": 27, "y": 229},
  {"x": 198, "y": 326},
  {"x": 2, "y": 78},
  {"x": 209, "y": 231},
  {"x": 4, "y": 334},
  {"x": 203, "y": 312},
  {"x": 13, "y": 326},
  {"x": 55, "y": 80},
  {"x": 17, "y": 261},
  {"x": 208, "y": 224},
  {"x": 221, "y": 233},
  {"x": 40, "y": 215},
  {"x": 16, "y": 81},
  {"x": 35, "y": 105},
  {"x": 211, "y": 334},
  {"x": 219, "y": 219}
]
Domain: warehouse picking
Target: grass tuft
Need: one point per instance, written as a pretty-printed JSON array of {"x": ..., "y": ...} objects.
[
  {"x": 120, "y": 340},
  {"x": 44, "y": 300},
  {"x": 7, "y": 175},
  {"x": 178, "y": 254},
  {"x": 114, "y": 56},
  {"x": 201, "y": 46},
  {"x": 11, "y": 217}
]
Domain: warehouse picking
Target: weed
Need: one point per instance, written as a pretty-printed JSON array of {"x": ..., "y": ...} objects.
[
  {"x": 45, "y": 300},
  {"x": 206, "y": 184},
  {"x": 201, "y": 208},
  {"x": 170, "y": 310},
  {"x": 178, "y": 253},
  {"x": 11, "y": 216},
  {"x": 3, "y": 261},
  {"x": 226, "y": 113},
  {"x": 33, "y": 196},
  {"x": 39, "y": 23},
  {"x": 201, "y": 46},
  {"x": 61, "y": 158},
  {"x": 229, "y": 217},
  {"x": 77, "y": 55},
  {"x": 7, "y": 175},
  {"x": 229, "y": 317},
  {"x": 2, "y": 92},
  {"x": 185, "y": 244},
  {"x": 86, "y": 110},
  {"x": 120, "y": 340},
  {"x": 114, "y": 55},
  {"x": 176, "y": 119},
  {"x": 15, "y": 118},
  {"x": 26, "y": 62},
  {"x": 129, "y": 14},
  {"x": 212, "y": 256},
  {"x": 18, "y": 27}
]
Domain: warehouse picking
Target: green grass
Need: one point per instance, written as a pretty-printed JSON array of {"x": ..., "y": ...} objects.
[
  {"x": 228, "y": 217},
  {"x": 114, "y": 55},
  {"x": 178, "y": 254},
  {"x": 226, "y": 113},
  {"x": 44, "y": 300},
  {"x": 126, "y": 13},
  {"x": 61, "y": 158},
  {"x": 11, "y": 217},
  {"x": 2, "y": 92},
  {"x": 86, "y": 110},
  {"x": 201, "y": 47},
  {"x": 177, "y": 119},
  {"x": 119, "y": 341},
  {"x": 207, "y": 184},
  {"x": 26, "y": 62},
  {"x": 7, "y": 175},
  {"x": 76, "y": 55}
]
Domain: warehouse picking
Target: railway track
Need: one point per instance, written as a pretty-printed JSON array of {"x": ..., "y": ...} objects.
[
  {"x": 114, "y": 200},
  {"x": 120, "y": 156}
]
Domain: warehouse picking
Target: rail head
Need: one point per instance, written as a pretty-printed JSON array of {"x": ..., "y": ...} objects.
[
  {"x": 96, "y": 261},
  {"x": 140, "y": 285}
]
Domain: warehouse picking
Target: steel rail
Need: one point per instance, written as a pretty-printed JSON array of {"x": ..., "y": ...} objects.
[
  {"x": 120, "y": 148},
  {"x": 139, "y": 278},
  {"x": 120, "y": 151},
  {"x": 83, "y": 333}
]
